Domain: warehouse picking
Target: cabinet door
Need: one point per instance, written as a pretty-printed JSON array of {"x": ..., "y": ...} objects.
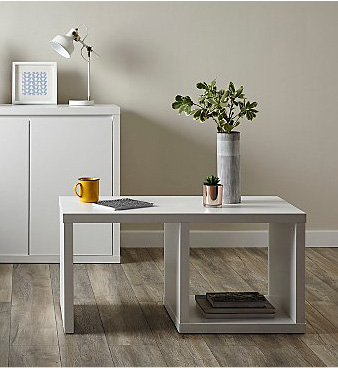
[
  {"x": 14, "y": 163},
  {"x": 62, "y": 150}
]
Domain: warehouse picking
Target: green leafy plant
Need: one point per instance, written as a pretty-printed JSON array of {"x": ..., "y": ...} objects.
[
  {"x": 211, "y": 180},
  {"x": 225, "y": 106}
]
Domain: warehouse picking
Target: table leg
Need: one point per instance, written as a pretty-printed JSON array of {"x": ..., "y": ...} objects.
[
  {"x": 66, "y": 276},
  {"x": 287, "y": 268},
  {"x": 176, "y": 271}
]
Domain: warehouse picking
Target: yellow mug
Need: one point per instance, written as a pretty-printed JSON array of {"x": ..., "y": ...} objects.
[{"x": 88, "y": 189}]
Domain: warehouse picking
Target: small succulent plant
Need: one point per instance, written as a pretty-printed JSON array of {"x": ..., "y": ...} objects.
[{"x": 212, "y": 180}]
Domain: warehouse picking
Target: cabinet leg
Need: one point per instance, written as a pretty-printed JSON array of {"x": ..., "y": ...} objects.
[
  {"x": 287, "y": 268},
  {"x": 176, "y": 271},
  {"x": 66, "y": 276}
]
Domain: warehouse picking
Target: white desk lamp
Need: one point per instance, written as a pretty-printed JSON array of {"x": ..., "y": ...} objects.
[{"x": 63, "y": 44}]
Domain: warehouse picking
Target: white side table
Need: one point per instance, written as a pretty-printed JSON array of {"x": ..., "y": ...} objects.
[{"x": 286, "y": 257}]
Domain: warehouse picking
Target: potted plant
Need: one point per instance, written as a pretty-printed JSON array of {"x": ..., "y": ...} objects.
[
  {"x": 212, "y": 192},
  {"x": 226, "y": 107}
]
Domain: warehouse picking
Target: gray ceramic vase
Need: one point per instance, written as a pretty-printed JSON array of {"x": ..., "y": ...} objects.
[{"x": 228, "y": 166}]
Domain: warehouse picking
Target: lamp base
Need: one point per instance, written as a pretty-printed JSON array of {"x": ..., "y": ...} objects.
[{"x": 81, "y": 102}]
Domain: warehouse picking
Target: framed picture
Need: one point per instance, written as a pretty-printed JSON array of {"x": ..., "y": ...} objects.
[{"x": 34, "y": 83}]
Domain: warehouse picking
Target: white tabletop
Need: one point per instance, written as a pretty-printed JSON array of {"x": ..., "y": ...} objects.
[{"x": 253, "y": 209}]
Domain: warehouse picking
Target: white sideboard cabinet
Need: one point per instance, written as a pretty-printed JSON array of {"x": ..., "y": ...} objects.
[{"x": 44, "y": 150}]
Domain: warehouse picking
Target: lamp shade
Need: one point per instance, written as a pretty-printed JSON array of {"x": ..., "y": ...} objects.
[{"x": 63, "y": 44}]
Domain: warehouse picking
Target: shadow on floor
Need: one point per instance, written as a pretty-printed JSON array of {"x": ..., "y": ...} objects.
[{"x": 122, "y": 318}]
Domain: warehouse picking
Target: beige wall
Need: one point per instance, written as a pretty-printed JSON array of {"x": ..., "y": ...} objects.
[{"x": 285, "y": 54}]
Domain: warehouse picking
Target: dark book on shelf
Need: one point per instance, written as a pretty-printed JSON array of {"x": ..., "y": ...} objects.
[
  {"x": 210, "y": 312},
  {"x": 236, "y": 299}
]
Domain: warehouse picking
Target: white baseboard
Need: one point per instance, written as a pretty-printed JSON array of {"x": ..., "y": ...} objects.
[
  {"x": 222, "y": 238},
  {"x": 53, "y": 258},
  {"x": 321, "y": 238}
]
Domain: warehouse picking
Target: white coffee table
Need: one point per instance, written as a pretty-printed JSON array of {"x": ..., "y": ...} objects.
[{"x": 286, "y": 257}]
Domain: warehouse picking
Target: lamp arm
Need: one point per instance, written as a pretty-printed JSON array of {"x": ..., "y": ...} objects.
[
  {"x": 83, "y": 25},
  {"x": 89, "y": 49},
  {"x": 77, "y": 38}
]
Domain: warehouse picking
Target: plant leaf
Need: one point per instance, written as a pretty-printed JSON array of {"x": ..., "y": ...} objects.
[
  {"x": 239, "y": 91},
  {"x": 181, "y": 109},
  {"x": 176, "y": 104},
  {"x": 201, "y": 85}
]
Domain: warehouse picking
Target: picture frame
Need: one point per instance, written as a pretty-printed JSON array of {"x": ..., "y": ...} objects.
[{"x": 34, "y": 83}]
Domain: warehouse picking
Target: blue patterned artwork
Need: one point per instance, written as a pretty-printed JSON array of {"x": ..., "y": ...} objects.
[{"x": 34, "y": 83}]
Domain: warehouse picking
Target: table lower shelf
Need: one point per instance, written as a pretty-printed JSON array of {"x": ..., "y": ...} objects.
[{"x": 281, "y": 323}]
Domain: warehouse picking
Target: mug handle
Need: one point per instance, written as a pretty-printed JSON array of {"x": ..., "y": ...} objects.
[{"x": 75, "y": 191}]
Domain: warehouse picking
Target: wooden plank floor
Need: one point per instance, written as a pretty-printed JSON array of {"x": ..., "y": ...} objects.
[{"x": 120, "y": 319}]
